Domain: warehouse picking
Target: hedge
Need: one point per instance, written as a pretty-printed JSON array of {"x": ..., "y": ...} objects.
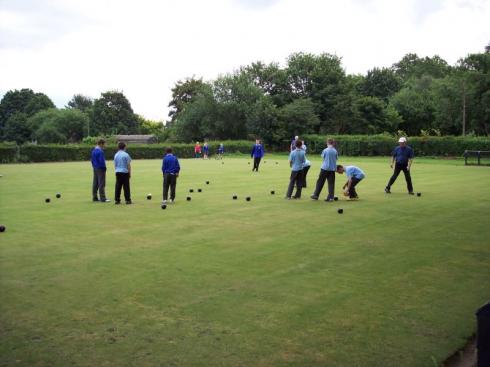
[
  {"x": 60, "y": 153},
  {"x": 374, "y": 145},
  {"x": 8, "y": 153},
  {"x": 350, "y": 145}
]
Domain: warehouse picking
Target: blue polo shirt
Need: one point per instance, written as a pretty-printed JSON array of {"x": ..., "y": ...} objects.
[
  {"x": 98, "y": 159},
  {"x": 330, "y": 157},
  {"x": 297, "y": 158},
  {"x": 170, "y": 164},
  {"x": 402, "y": 155},
  {"x": 121, "y": 161},
  {"x": 355, "y": 172}
]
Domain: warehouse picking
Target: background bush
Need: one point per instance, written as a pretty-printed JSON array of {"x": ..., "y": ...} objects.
[
  {"x": 374, "y": 145},
  {"x": 72, "y": 152},
  {"x": 347, "y": 145}
]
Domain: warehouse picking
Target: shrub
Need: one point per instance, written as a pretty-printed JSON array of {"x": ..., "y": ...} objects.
[{"x": 350, "y": 145}]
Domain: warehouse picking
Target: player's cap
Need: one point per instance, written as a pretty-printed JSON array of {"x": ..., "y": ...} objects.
[{"x": 402, "y": 140}]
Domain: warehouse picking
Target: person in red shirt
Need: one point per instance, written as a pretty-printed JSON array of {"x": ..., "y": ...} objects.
[{"x": 197, "y": 150}]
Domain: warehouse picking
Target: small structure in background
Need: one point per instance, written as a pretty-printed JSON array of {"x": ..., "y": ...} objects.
[{"x": 136, "y": 139}]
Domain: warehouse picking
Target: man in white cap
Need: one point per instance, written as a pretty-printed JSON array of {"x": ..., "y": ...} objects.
[{"x": 402, "y": 158}]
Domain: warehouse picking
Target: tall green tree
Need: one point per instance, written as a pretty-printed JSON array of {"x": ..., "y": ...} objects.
[
  {"x": 476, "y": 68},
  {"x": 81, "y": 102},
  {"x": 415, "y": 104},
  {"x": 381, "y": 83},
  {"x": 373, "y": 116},
  {"x": 112, "y": 114},
  {"x": 183, "y": 93},
  {"x": 21, "y": 101},
  {"x": 412, "y": 66},
  {"x": 17, "y": 128},
  {"x": 271, "y": 79},
  {"x": 297, "y": 118},
  {"x": 59, "y": 126}
]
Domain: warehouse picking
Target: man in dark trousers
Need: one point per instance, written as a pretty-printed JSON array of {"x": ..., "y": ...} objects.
[
  {"x": 99, "y": 166},
  {"x": 170, "y": 169},
  {"x": 327, "y": 171},
  {"x": 122, "y": 165},
  {"x": 402, "y": 158},
  {"x": 257, "y": 154},
  {"x": 297, "y": 160}
]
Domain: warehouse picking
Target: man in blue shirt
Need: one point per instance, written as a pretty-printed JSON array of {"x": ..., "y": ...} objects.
[
  {"x": 122, "y": 165},
  {"x": 354, "y": 176},
  {"x": 327, "y": 171},
  {"x": 99, "y": 167},
  {"x": 402, "y": 159},
  {"x": 170, "y": 169},
  {"x": 297, "y": 160},
  {"x": 257, "y": 154},
  {"x": 221, "y": 151}
]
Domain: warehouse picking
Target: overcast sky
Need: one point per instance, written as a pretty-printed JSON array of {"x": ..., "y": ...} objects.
[{"x": 142, "y": 47}]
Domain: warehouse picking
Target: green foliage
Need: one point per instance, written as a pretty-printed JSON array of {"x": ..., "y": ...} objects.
[
  {"x": 73, "y": 152},
  {"x": 23, "y": 101},
  {"x": 183, "y": 93},
  {"x": 59, "y": 126},
  {"x": 373, "y": 145},
  {"x": 411, "y": 66},
  {"x": 297, "y": 117},
  {"x": 9, "y": 152},
  {"x": 149, "y": 127},
  {"x": 112, "y": 115},
  {"x": 351, "y": 145},
  {"x": 81, "y": 102},
  {"x": 17, "y": 128},
  {"x": 381, "y": 83},
  {"x": 415, "y": 104},
  {"x": 373, "y": 115}
]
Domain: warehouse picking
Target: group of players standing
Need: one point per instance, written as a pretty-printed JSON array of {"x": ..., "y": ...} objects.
[{"x": 402, "y": 157}]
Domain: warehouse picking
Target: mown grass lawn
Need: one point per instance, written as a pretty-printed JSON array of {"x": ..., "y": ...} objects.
[{"x": 394, "y": 281}]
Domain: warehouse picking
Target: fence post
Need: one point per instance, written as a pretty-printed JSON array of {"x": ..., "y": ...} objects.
[
  {"x": 465, "y": 157},
  {"x": 478, "y": 154}
]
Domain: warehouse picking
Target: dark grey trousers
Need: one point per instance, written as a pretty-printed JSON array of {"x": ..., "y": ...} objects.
[
  {"x": 122, "y": 182},
  {"x": 330, "y": 177},
  {"x": 256, "y": 164},
  {"x": 169, "y": 181},
  {"x": 352, "y": 190},
  {"x": 98, "y": 184},
  {"x": 296, "y": 178},
  {"x": 396, "y": 172}
]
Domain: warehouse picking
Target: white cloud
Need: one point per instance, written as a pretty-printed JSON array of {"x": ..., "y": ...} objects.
[{"x": 142, "y": 48}]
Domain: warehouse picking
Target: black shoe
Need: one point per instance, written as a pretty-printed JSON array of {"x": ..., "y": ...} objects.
[
  {"x": 387, "y": 190},
  {"x": 95, "y": 200},
  {"x": 328, "y": 199},
  {"x": 313, "y": 197},
  {"x": 117, "y": 203},
  {"x": 129, "y": 202},
  {"x": 410, "y": 193},
  {"x": 105, "y": 201}
]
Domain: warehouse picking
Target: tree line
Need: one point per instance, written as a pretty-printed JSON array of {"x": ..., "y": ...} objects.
[
  {"x": 311, "y": 94},
  {"x": 27, "y": 116}
]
